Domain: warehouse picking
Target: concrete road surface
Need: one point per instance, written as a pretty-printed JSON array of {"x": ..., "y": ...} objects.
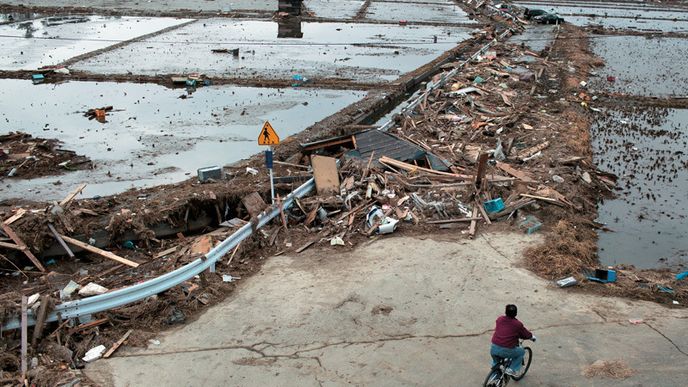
[{"x": 404, "y": 312}]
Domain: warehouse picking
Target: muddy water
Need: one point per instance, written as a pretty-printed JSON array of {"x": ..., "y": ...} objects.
[
  {"x": 27, "y": 45},
  {"x": 646, "y": 148},
  {"x": 654, "y": 67},
  {"x": 360, "y": 52},
  {"x": 153, "y": 136}
]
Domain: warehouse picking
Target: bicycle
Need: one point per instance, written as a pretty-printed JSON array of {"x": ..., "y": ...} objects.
[{"x": 498, "y": 378}]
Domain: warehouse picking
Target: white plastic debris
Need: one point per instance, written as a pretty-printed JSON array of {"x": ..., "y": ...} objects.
[
  {"x": 94, "y": 353},
  {"x": 229, "y": 278},
  {"x": 154, "y": 342},
  {"x": 388, "y": 227},
  {"x": 252, "y": 171},
  {"x": 92, "y": 289},
  {"x": 62, "y": 70},
  {"x": 32, "y": 299},
  {"x": 68, "y": 290},
  {"x": 586, "y": 177},
  {"x": 337, "y": 241}
]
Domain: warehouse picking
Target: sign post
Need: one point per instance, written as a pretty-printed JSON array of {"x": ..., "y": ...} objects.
[{"x": 269, "y": 137}]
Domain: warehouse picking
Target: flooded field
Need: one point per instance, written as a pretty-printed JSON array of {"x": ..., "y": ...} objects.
[
  {"x": 153, "y": 136},
  {"x": 31, "y": 44},
  {"x": 166, "y": 6},
  {"x": 438, "y": 12},
  {"x": 632, "y": 16},
  {"x": 334, "y": 9},
  {"x": 649, "y": 66},
  {"x": 646, "y": 148},
  {"x": 359, "y": 52}
]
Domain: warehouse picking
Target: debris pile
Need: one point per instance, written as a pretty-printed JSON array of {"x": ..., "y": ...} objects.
[{"x": 23, "y": 156}]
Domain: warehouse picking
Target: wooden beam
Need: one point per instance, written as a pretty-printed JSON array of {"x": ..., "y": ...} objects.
[
  {"x": 95, "y": 250},
  {"x": 10, "y": 246},
  {"x": 24, "y": 336},
  {"x": 117, "y": 344},
  {"x": 482, "y": 169},
  {"x": 544, "y": 199},
  {"x": 22, "y": 246},
  {"x": 474, "y": 223},
  {"x": 60, "y": 241},
  {"x": 68, "y": 199},
  {"x": 40, "y": 319},
  {"x": 88, "y": 325},
  {"x": 445, "y": 221},
  {"x": 523, "y": 176},
  {"x": 20, "y": 212},
  {"x": 482, "y": 211}
]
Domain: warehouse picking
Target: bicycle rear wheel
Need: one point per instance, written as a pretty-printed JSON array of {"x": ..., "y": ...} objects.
[
  {"x": 527, "y": 359},
  {"x": 493, "y": 379}
]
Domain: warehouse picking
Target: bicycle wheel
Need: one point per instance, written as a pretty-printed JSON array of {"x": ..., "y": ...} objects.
[
  {"x": 527, "y": 359},
  {"x": 493, "y": 379}
]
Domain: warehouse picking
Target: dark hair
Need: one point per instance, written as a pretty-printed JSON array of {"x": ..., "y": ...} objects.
[{"x": 511, "y": 311}]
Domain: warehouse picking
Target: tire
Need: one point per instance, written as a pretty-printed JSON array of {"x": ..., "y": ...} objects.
[
  {"x": 527, "y": 359},
  {"x": 493, "y": 379}
]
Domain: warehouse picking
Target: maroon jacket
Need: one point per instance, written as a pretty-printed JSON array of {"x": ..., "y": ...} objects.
[{"x": 507, "y": 332}]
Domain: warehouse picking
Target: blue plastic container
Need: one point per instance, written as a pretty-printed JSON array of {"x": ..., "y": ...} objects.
[
  {"x": 603, "y": 276},
  {"x": 494, "y": 205}
]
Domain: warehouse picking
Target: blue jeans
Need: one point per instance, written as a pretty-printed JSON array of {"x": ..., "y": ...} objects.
[{"x": 515, "y": 354}]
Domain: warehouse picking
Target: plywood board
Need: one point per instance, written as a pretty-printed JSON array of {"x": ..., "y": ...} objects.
[{"x": 326, "y": 175}]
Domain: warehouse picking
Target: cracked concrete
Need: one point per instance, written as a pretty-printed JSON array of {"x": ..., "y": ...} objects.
[{"x": 403, "y": 311}]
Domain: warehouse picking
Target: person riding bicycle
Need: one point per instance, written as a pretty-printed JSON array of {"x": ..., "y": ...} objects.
[{"x": 508, "y": 331}]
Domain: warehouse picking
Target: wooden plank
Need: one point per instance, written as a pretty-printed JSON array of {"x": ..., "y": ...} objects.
[
  {"x": 60, "y": 241},
  {"x": 166, "y": 252},
  {"x": 117, "y": 344},
  {"x": 544, "y": 199},
  {"x": 18, "y": 215},
  {"x": 482, "y": 169},
  {"x": 88, "y": 325},
  {"x": 10, "y": 246},
  {"x": 511, "y": 208},
  {"x": 474, "y": 223},
  {"x": 523, "y": 176},
  {"x": 10, "y": 233},
  {"x": 254, "y": 204},
  {"x": 41, "y": 316},
  {"x": 24, "y": 336},
  {"x": 307, "y": 245},
  {"x": 483, "y": 212},
  {"x": 533, "y": 150},
  {"x": 458, "y": 220},
  {"x": 367, "y": 168},
  {"x": 95, "y": 250},
  {"x": 68, "y": 199},
  {"x": 326, "y": 175}
]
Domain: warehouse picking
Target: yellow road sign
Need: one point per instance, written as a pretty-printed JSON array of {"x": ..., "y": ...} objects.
[{"x": 268, "y": 136}]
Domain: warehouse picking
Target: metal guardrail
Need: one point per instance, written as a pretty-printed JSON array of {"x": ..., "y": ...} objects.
[
  {"x": 443, "y": 81},
  {"x": 138, "y": 292}
]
